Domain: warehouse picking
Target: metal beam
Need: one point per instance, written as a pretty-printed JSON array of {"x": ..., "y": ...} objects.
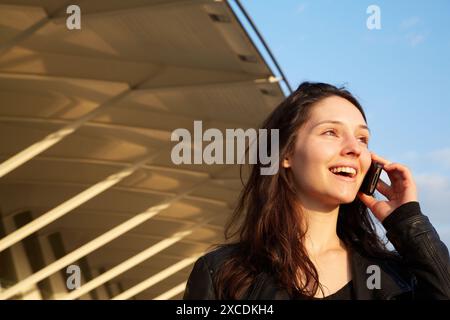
[
  {"x": 128, "y": 189},
  {"x": 97, "y": 124},
  {"x": 144, "y": 285},
  {"x": 82, "y": 251},
  {"x": 208, "y": 85},
  {"x": 130, "y": 263},
  {"x": 157, "y": 89},
  {"x": 145, "y": 236},
  {"x": 4, "y": 47},
  {"x": 143, "y": 64},
  {"x": 111, "y": 163},
  {"x": 85, "y": 185},
  {"x": 106, "y": 213},
  {"x": 53, "y": 138},
  {"x": 172, "y": 292},
  {"x": 94, "y": 244},
  {"x": 46, "y": 77},
  {"x": 261, "y": 38},
  {"x": 68, "y": 205}
]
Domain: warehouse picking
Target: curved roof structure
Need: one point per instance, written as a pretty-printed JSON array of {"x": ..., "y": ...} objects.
[{"x": 86, "y": 117}]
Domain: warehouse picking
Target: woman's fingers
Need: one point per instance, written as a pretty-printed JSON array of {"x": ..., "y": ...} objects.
[
  {"x": 402, "y": 185},
  {"x": 400, "y": 176},
  {"x": 384, "y": 188},
  {"x": 401, "y": 190},
  {"x": 379, "y": 159},
  {"x": 398, "y": 171},
  {"x": 395, "y": 171}
]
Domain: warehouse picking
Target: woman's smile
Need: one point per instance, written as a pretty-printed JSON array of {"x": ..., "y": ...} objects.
[{"x": 344, "y": 178}]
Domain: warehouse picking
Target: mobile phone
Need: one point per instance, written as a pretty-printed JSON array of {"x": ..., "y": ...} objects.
[{"x": 371, "y": 178}]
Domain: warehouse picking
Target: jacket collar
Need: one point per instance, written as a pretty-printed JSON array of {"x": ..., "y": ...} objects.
[{"x": 392, "y": 285}]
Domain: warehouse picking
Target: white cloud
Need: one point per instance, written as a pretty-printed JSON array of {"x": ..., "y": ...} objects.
[
  {"x": 411, "y": 155},
  {"x": 411, "y": 28},
  {"x": 301, "y": 7},
  {"x": 440, "y": 156},
  {"x": 432, "y": 181},
  {"x": 415, "y": 39},
  {"x": 409, "y": 22}
]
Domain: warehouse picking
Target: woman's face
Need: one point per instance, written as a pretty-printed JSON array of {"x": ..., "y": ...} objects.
[{"x": 322, "y": 145}]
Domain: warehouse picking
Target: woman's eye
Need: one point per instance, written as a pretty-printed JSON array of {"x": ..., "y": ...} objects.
[
  {"x": 365, "y": 140},
  {"x": 330, "y": 131}
]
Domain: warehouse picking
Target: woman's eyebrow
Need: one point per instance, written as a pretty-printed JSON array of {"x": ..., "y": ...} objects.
[{"x": 340, "y": 123}]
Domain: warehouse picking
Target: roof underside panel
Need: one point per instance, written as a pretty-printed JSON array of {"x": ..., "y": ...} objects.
[{"x": 135, "y": 72}]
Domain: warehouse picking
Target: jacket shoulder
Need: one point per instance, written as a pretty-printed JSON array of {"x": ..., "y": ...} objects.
[
  {"x": 200, "y": 285},
  {"x": 215, "y": 258}
]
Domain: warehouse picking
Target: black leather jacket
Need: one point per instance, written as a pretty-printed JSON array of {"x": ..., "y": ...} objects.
[{"x": 423, "y": 272}]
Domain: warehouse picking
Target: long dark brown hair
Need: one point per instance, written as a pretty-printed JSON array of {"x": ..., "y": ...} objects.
[{"x": 266, "y": 226}]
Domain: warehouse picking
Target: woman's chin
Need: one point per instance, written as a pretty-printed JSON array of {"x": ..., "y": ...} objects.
[
  {"x": 336, "y": 201},
  {"x": 346, "y": 199}
]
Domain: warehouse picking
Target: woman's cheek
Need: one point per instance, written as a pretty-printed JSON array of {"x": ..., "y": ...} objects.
[{"x": 367, "y": 159}]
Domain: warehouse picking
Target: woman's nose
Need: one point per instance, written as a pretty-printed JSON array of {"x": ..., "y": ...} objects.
[{"x": 352, "y": 145}]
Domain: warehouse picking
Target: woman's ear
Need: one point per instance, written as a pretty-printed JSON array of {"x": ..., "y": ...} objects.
[{"x": 286, "y": 163}]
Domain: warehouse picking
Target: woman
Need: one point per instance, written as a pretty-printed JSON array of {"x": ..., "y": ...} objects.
[{"x": 306, "y": 233}]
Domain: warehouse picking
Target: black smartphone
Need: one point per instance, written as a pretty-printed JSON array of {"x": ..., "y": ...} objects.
[{"x": 371, "y": 178}]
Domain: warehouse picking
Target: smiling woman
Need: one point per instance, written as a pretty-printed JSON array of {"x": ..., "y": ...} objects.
[{"x": 306, "y": 232}]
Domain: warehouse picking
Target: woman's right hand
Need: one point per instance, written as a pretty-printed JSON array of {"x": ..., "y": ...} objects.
[{"x": 402, "y": 189}]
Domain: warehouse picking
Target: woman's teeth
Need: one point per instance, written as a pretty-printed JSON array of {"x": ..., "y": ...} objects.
[{"x": 349, "y": 170}]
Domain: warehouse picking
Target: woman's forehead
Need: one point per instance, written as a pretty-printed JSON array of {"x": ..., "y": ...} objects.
[{"x": 336, "y": 109}]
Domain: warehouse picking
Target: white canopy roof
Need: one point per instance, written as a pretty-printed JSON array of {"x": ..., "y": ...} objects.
[{"x": 79, "y": 106}]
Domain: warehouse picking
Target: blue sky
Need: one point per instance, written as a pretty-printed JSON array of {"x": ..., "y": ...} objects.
[{"x": 400, "y": 73}]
